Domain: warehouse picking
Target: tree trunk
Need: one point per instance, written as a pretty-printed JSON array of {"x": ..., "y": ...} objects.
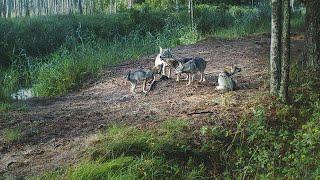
[
  {"x": 110, "y": 7},
  {"x": 80, "y": 6},
  {"x": 27, "y": 8},
  {"x": 130, "y": 4},
  {"x": 5, "y": 8},
  {"x": 285, "y": 66},
  {"x": 9, "y": 8},
  {"x": 275, "y": 47},
  {"x": 312, "y": 35},
  {"x": 1, "y": 8},
  {"x": 190, "y": 11},
  {"x": 177, "y": 6}
]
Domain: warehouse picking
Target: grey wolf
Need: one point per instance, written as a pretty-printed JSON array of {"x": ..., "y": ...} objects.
[
  {"x": 174, "y": 63},
  {"x": 144, "y": 75},
  {"x": 225, "y": 80},
  {"x": 160, "y": 60},
  {"x": 192, "y": 67}
]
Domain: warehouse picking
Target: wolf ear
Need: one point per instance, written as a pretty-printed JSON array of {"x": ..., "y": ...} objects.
[{"x": 160, "y": 49}]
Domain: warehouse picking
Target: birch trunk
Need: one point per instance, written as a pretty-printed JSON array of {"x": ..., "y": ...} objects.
[
  {"x": 312, "y": 34},
  {"x": 285, "y": 66},
  {"x": 275, "y": 52}
]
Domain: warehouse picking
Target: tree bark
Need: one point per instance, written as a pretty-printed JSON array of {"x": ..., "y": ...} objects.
[
  {"x": 190, "y": 11},
  {"x": 27, "y": 8},
  {"x": 177, "y": 6},
  {"x": 130, "y": 3},
  {"x": 275, "y": 52},
  {"x": 312, "y": 35},
  {"x": 285, "y": 65},
  {"x": 80, "y": 6},
  {"x": 5, "y": 7}
]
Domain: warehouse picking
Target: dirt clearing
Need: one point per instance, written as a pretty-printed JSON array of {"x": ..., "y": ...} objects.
[{"x": 55, "y": 132}]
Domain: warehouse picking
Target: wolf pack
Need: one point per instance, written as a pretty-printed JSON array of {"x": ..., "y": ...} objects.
[{"x": 191, "y": 66}]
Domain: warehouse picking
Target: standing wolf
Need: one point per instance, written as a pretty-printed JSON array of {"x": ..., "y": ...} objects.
[
  {"x": 160, "y": 60},
  {"x": 192, "y": 67},
  {"x": 174, "y": 63},
  {"x": 225, "y": 80},
  {"x": 144, "y": 75}
]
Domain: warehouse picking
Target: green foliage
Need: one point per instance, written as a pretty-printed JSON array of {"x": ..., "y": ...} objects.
[
  {"x": 11, "y": 135},
  {"x": 143, "y": 154}
]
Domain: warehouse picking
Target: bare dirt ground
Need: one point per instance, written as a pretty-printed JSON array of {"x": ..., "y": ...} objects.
[{"x": 56, "y": 131}]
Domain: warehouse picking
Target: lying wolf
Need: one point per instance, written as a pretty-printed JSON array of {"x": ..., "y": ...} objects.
[
  {"x": 144, "y": 75},
  {"x": 160, "y": 60},
  {"x": 225, "y": 79},
  {"x": 192, "y": 67}
]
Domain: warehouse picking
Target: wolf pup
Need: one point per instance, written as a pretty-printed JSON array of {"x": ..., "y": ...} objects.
[
  {"x": 174, "y": 63},
  {"x": 160, "y": 60},
  {"x": 144, "y": 75},
  {"x": 192, "y": 67},
  {"x": 225, "y": 80}
]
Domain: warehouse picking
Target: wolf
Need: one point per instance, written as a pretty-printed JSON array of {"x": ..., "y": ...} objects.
[
  {"x": 192, "y": 67},
  {"x": 144, "y": 75},
  {"x": 160, "y": 60},
  {"x": 225, "y": 80},
  {"x": 174, "y": 63}
]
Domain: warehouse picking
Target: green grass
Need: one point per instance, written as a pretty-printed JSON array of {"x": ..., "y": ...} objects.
[{"x": 11, "y": 135}]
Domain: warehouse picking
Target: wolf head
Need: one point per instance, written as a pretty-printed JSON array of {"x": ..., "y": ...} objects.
[
  {"x": 165, "y": 53},
  {"x": 179, "y": 68},
  {"x": 231, "y": 70},
  {"x": 172, "y": 62},
  {"x": 157, "y": 69}
]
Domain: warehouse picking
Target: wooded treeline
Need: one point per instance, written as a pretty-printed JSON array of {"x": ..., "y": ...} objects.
[{"x": 20, "y": 8}]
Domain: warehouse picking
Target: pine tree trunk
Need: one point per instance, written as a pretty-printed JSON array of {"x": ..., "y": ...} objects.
[
  {"x": 312, "y": 35},
  {"x": 285, "y": 66},
  {"x": 177, "y": 6},
  {"x": 275, "y": 52},
  {"x": 27, "y": 8},
  {"x": 190, "y": 10},
  {"x": 1, "y": 8},
  {"x": 5, "y": 6},
  {"x": 129, "y": 4},
  {"x": 110, "y": 7},
  {"x": 80, "y": 6}
]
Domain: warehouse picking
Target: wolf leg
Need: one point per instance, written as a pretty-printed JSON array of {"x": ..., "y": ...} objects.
[
  {"x": 192, "y": 77},
  {"x": 144, "y": 86},
  {"x": 189, "y": 79},
  {"x": 178, "y": 77},
  {"x": 169, "y": 74},
  {"x": 203, "y": 77},
  {"x": 164, "y": 70},
  {"x": 133, "y": 87},
  {"x": 152, "y": 83}
]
